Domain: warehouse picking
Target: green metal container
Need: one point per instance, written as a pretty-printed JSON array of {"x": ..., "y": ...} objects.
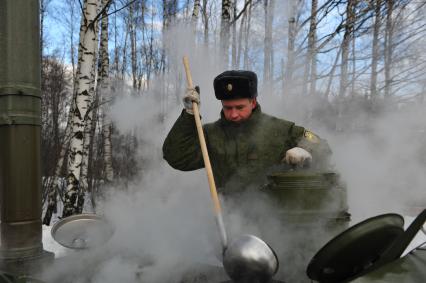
[
  {"x": 309, "y": 198},
  {"x": 312, "y": 207}
]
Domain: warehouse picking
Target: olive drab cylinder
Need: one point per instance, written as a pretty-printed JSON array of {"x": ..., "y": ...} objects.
[{"x": 20, "y": 123}]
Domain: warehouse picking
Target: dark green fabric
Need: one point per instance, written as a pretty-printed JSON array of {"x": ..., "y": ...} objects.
[{"x": 240, "y": 154}]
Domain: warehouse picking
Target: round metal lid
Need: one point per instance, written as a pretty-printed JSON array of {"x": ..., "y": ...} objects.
[
  {"x": 82, "y": 231},
  {"x": 355, "y": 249}
]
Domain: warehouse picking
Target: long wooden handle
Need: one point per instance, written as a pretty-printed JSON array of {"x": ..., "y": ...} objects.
[{"x": 207, "y": 164}]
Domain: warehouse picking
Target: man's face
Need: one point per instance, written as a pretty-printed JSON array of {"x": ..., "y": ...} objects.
[{"x": 238, "y": 110}]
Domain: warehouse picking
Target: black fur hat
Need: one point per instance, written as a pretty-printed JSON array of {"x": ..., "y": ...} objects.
[{"x": 235, "y": 84}]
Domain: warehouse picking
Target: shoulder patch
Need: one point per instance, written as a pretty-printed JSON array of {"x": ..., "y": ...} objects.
[{"x": 311, "y": 137}]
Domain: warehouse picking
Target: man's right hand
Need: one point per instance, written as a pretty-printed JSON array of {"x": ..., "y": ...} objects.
[{"x": 191, "y": 95}]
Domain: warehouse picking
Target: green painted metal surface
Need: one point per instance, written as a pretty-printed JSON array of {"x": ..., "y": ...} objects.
[
  {"x": 19, "y": 48},
  {"x": 307, "y": 197},
  {"x": 20, "y": 95},
  {"x": 410, "y": 268},
  {"x": 20, "y": 116},
  {"x": 20, "y": 110}
]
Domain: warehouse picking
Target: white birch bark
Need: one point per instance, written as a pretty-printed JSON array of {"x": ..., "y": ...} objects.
[
  {"x": 350, "y": 19},
  {"x": 246, "y": 39},
  {"x": 224, "y": 30},
  {"x": 104, "y": 94},
  {"x": 312, "y": 55},
  {"x": 292, "y": 32},
  {"x": 389, "y": 34},
  {"x": 234, "y": 35},
  {"x": 206, "y": 23},
  {"x": 196, "y": 11},
  {"x": 88, "y": 138},
  {"x": 267, "y": 54},
  {"x": 85, "y": 73},
  {"x": 132, "y": 34},
  {"x": 240, "y": 36},
  {"x": 375, "y": 48}
]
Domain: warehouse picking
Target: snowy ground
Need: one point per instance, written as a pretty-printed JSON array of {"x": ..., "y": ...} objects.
[{"x": 49, "y": 244}]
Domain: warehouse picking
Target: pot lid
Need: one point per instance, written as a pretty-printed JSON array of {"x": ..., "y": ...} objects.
[
  {"x": 355, "y": 249},
  {"x": 82, "y": 231}
]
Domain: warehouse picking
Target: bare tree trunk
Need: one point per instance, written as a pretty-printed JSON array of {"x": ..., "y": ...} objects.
[
  {"x": 309, "y": 73},
  {"x": 224, "y": 30},
  {"x": 331, "y": 74},
  {"x": 375, "y": 48},
  {"x": 124, "y": 61},
  {"x": 53, "y": 191},
  {"x": 82, "y": 106},
  {"x": 246, "y": 40},
  {"x": 105, "y": 96},
  {"x": 240, "y": 36},
  {"x": 234, "y": 36},
  {"x": 292, "y": 31},
  {"x": 388, "y": 47},
  {"x": 312, "y": 47},
  {"x": 350, "y": 19},
  {"x": 267, "y": 55},
  {"x": 71, "y": 31},
  {"x": 89, "y": 132},
  {"x": 115, "y": 66},
  {"x": 132, "y": 34},
  {"x": 43, "y": 11},
  {"x": 206, "y": 23},
  {"x": 196, "y": 11},
  {"x": 354, "y": 74}
]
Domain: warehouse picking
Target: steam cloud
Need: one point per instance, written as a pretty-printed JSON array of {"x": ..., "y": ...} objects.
[{"x": 164, "y": 223}]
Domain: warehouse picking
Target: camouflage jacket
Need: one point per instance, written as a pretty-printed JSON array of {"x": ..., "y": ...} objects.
[{"x": 240, "y": 154}]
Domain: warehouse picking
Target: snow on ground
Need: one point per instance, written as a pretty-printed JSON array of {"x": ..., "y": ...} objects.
[{"x": 49, "y": 244}]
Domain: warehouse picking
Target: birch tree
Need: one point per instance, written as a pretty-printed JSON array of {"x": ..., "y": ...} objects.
[
  {"x": 206, "y": 23},
  {"x": 310, "y": 73},
  {"x": 247, "y": 35},
  {"x": 224, "y": 30},
  {"x": 377, "y": 4},
  {"x": 196, "y": 11},
  {"x": 85, "y": 73},
  {"x": 104, "y": 93},
  {"x": 349, "y": 28},
  {"x": 389, "y": 32},
  {"x": 234, "y": 35},
  {"x": 291, "y": 39},
  {"x": 267, "y": 54},
  {"x": 240, "y": 37},
  {"x": 132, "y": 34},
  {"x": 89, "y": 131}
]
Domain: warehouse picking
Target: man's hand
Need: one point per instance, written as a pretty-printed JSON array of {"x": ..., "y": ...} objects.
[
  {"x": 191, "y": 95},
  {"x": 297, "y": 156}
]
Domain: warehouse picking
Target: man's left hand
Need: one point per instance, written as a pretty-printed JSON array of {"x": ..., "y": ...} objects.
[{"x": 297, "y": 156}]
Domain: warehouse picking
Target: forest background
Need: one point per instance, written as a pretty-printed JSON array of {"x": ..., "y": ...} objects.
[{"x": 112, "y": 84}]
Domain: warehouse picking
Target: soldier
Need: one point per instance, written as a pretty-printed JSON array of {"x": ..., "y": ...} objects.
[{"x": 244, "y": 144}]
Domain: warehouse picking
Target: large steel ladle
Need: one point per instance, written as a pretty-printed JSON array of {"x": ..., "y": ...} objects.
[{"x": 247, "y": 258}]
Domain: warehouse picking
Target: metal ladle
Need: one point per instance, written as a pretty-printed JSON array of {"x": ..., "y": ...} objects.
[{"x": 247, "y": 258}]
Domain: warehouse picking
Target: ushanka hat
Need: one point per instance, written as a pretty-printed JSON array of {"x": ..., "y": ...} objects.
[{"x": 235, "y": 84}]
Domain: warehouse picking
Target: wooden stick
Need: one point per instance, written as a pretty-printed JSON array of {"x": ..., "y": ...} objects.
[{"x": 207, "y": 164}]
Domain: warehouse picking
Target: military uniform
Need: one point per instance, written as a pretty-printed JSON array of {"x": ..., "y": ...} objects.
[{"x": 241, "y": 154}]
